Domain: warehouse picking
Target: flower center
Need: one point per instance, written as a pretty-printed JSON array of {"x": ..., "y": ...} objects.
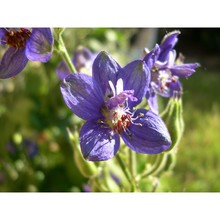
[
  {"x": 116, "y": 112},
  {"x": 17, "y": 38},
  {"x": 118, "y": 119}
]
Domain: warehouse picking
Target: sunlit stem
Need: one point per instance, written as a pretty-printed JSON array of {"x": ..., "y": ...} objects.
[
  {"x": 132, "y": 160},
  {"x": 158, "y": 162},
  {"x": 60, "y": 46},
  {"x": 126, "y": 172}
]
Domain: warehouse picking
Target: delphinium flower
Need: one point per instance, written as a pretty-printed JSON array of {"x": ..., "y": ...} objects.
[
  {"x": 107, "y": 100},
  {"x": 23, "y": 44},
  {"x": 166, "y": 70},
  {"x": 82, "y": 60},
  {"x": 30, "y": 147}
]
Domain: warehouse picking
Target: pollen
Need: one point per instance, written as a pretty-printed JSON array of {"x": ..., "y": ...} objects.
[
  {"x": 121, "y": 123},
  {"x": 117, "y": 119},
  {"x": 17, "y": 38}
]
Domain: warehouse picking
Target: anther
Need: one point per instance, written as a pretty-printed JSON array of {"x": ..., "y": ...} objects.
[{"x": 140, "y": 115}]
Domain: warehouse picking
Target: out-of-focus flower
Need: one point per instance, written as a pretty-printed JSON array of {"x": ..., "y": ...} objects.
[
  {"x": 106, "y": 100},
  {"x": 82, "y": 59},
  {"x": 30, "y": 147},
  {"x": 24, "y": 44},
  {"x": 166, "y": 70},
  {"x": 87, "y": 188}
]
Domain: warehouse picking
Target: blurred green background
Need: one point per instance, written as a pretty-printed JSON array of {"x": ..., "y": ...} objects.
[{"x": 35, "y": 153}]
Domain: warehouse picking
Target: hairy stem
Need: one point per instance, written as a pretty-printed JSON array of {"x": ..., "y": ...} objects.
[
  {"x": 60, "y": 46},
  {"x": 126, "y": 172}
]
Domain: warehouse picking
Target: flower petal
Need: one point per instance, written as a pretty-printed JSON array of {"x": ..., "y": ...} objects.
[
  {"x": 150, "y": 138},
  {"x": 82, "y": 96},
  {"x": 135, "y": 76},
  {"x": 175, "y": 89},
  {"x": 152, "y": 101},
  {"x": 62, "y": 70},
  {"x": 105, "y": 69},
  {"x": 184, "y": 70},
  {"x": 98, "y": 143},
  {"x": 40, "y": 44},
  {"x": 12, "y": 63},
  {"x": 2, "y": 36},
  {"x": 83, "y": 58},
  {"x": 167, "y": 44},
  {"x": 120, "y": 99},
  {"x": 152, "y": 56}
]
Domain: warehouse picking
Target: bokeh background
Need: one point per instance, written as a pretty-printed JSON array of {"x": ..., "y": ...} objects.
[{"x": 35, "y": 153}]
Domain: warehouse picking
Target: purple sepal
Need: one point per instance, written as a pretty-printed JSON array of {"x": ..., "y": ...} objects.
[
  {"x": 152, "y": 101},
  {"x": 83, "y": 57},
  {"x": 2, "y": 36},
  {"x": 62, "y": 70},
  {"x": 175, "y": 89},
  {"x": 40, "y": 44},
  {"x": 82, "y": 96},
  {"x": 135, "y": 76},
  {"x": 152, "y": 56},
  {"x": 12, "y": 63},
  {"x": 97, "y": 142},
  {"x": 120, "y": 99},
  {"x": 105, "y": 69},
  {"x": 151, "y": 137},
  {"x": 184, "y": 70},
  {"x": 167, "y": 44}
]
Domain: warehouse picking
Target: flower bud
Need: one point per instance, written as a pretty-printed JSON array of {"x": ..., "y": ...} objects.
[
  {"x": 173, "y": 118},
  {"x": 57, "y": 32},
  {"x": 87, "y": 169}
]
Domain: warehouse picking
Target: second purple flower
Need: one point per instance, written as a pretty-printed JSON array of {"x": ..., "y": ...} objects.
[
  {"x": 24, "y": 44},
  {"x": 106, "y": 100}
]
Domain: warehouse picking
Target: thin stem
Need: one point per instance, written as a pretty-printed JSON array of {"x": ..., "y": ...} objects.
[
  {"x": 132, "y": 158},
  {"x": 63, "y": 52},
  {"x": 126, "y": 172},
  {"x": 158, "y": 162}
]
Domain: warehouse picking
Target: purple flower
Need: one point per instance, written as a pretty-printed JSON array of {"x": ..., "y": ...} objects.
[
  {"x": 30, "y": 147},
  {"x": 83, "y": 59},
  {"x": 166, "y": 70},
  {"x": 106, "y": 100},
  {"x": 23, "y": 45}
]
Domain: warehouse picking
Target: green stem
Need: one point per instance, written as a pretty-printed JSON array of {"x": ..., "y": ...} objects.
[
  {"x": 126, "y": 172},
  {"x": 63, "y": 52},
  {"x": 132, "y": 158},
  {"x": 158, "y": 162}
]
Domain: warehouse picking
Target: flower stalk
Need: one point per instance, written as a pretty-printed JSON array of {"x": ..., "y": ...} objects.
[
  {"x": 61, "y": 48},
  {"x": 156, "y": 167},
  {"x": 126, "y": 172},
  {"x": 132, "y": 162}
]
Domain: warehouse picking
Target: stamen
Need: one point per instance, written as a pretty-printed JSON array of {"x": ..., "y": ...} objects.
[
  {"x": 154, "y": 69},
  {"x": 17, "y": 38},
  {"x": 140, "y": 115},
  {"x": 119, "y": 86},
  {"x": 112, "y": 87},
  {"x": 110, "y": 138}
]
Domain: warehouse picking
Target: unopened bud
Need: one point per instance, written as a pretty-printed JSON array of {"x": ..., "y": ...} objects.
[
  {"x": 173, "y": 118},
  {"x": 57, "y": 32},
  {"x": 170, "y": 161}
]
